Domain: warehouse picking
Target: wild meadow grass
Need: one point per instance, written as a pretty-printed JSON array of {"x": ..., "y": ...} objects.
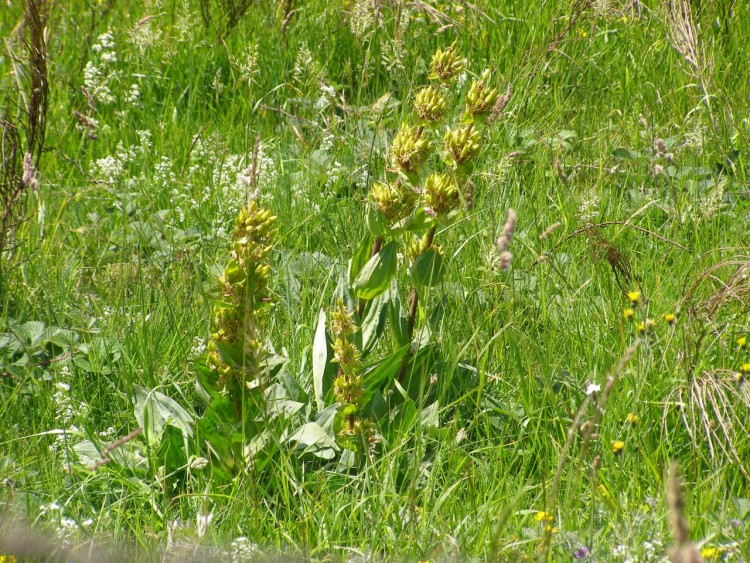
[{"x": 587, "y": 329}]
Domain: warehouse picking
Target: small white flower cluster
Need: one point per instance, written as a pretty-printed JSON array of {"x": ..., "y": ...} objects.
[
  {"x": 111, "y": 168},
  {"x": 588, "y": 209},
  {"x": 335, "y": 172},
  {"x": 134, "y": 95},
  {"x": 593, "y": 388},
  {"x": 622, "y": 552},
  {"x": 327, "y": 97},
  {"x": 97, "y": 76},
  {"x": 361, "y": 176},
  {"x": 108, "y": 169},
  {"x": 66, "y": 527},
  {"x": 652, "y": 549},
  {"x": 164, "y": 175},
  {"x": 242, "y": 549},
  {"x": 68, "y": 412}
]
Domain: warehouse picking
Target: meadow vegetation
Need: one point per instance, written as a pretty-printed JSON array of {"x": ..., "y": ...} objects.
[{"x": 375, "y": 280}]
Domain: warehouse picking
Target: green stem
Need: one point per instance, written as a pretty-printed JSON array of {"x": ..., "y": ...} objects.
[{"x": 413, "y": 307}]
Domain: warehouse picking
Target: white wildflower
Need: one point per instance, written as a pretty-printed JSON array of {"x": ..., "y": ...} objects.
[
  {"x": 242, "y": 549},
  {"x": 135, "y": 93},
  {"x": 593, "y": 388},
  {"x": 108, "y": 168}
]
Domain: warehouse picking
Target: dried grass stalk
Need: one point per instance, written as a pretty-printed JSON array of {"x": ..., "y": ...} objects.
[
  {"x": 23, "y": 130},
  {"x": 683, "y": 551}
]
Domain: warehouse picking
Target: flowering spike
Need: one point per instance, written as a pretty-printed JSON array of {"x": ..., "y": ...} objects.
[{"x": 236, "y": 351}]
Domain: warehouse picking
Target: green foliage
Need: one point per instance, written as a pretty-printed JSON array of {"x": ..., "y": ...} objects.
[{"x": 430, "y": 424}]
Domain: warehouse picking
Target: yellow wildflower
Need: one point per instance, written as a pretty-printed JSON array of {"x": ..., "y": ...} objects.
[
  {"x": 631, "y": 419},
  {"x": 745, "y": 369},
  {"x": 742, "y": 341},
  {"x": 709, "y": 553},
  {"x": 617, "y": 446},
  {"x": 634, "y": 296},
  {"x": 670, "y": 318},
  {"x": 640, "y": 327},
  {"x": 543, "y": 516},
  {"x": 628, "y": 314}
]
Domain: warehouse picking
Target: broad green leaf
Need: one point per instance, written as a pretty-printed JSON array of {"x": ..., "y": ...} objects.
[
  {"x": 373, "y": 322},
  {"x": 743, "y": 506},
  {"x": 220, "y": 446},
  {"x": 625, "y": 153},
  {"x": 327, "y": 417},
  {"x": 319, "y": 361},
  {"x": 87, "y": 452},
  {"x": 35, "y": 332},
  {"x": 173, "y": 449},
  {"x": 62, "y": 337},
  {"x": 359, "y": 259},
  {"x": 312, "y": 438},
  {"x": 429, "y": 415},
  {"x": 154, "y": 411},
  {"x": 376, "y": 275},
  {"x": 206, "y": 380},
  {"x": 417, "y": 221},
  {"x": 376, "y": 222},
  {"x": 429, "y": 268},
  {"x": 376, "y": 375}
]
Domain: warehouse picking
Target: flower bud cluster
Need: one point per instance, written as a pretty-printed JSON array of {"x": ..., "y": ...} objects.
[
  {"x": 481, "y": 98},
  {"x": 394, "y": 202},
  {"x": 462, "y": 144},
  {"x": 430, "y": 105},
  {"x": 446, "y": 65},
  {"x": 410, "y": 149},
  {"x": 347, "y": 387},
  {"x": 440, "y": 194}
]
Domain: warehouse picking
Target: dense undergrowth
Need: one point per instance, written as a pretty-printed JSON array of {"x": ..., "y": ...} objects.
[{"x": 261, "y": 303}]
